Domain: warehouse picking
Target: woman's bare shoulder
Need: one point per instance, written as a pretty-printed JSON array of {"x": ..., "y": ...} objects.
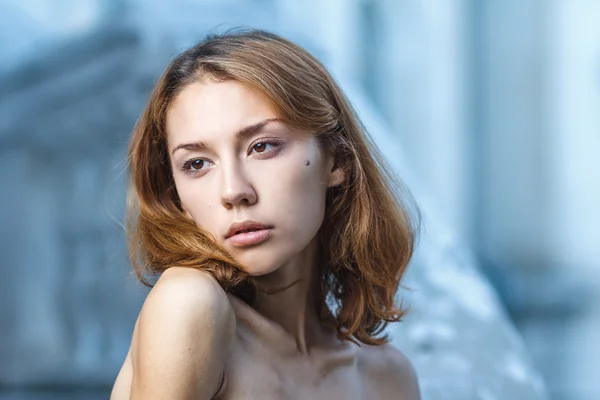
[
  {"x": 189, "y": 286},
  {"x": 186, "y": 298},
  {"x": 391, "y": 370},
  {"x": 185, "y": 324}
]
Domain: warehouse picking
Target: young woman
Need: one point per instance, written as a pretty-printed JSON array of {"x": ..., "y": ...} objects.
[{"x": 277, "y": 234}]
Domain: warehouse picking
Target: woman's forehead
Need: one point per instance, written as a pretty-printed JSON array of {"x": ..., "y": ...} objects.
[{"x": 213, "y": 109}]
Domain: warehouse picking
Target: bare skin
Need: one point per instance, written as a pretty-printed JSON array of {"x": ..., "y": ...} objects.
[
  {"x": 236, "y": 353},
  {"x": 194, "y": 341}
]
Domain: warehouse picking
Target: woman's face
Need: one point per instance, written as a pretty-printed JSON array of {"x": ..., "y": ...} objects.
[{"x": 235, "y": 162}]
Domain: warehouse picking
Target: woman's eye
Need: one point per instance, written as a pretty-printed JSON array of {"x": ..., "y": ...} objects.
[
  {"x": 197, "y": 164},
  {"x": 262, "y": 147},
  {"x": 194, "y": 165}
]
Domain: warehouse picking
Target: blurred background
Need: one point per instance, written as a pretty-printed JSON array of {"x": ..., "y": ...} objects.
[{"x": 496, "y": 104}]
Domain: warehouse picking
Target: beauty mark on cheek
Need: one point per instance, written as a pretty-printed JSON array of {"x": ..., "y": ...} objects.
[{"x": 307, "y": 162}]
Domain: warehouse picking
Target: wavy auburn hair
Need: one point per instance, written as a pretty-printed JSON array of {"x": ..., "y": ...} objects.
[{"x": 370, "y": 226}]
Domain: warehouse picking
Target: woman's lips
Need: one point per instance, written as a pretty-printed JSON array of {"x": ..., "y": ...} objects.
[{"x": 250, "y": 238}]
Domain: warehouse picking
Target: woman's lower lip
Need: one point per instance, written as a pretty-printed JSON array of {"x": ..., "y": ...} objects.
[{"x": 250, "y": 238}]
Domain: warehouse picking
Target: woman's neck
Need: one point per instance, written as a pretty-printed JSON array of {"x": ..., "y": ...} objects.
[{"x": 291, "y": 297}]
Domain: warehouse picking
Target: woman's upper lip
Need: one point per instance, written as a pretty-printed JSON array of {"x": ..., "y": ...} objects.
[{"x": 243, "y": 225}]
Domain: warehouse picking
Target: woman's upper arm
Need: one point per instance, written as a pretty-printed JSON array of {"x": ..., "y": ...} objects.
[{"x": 182, "y": 336}]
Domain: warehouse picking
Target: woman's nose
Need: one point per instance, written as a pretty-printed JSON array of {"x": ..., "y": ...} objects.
[{"x": 237, "y": 189}]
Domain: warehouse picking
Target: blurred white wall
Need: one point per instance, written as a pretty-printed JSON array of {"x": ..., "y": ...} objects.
[
  {"x": 573, "y": 122},
  {"x": 573, "y": 100}
]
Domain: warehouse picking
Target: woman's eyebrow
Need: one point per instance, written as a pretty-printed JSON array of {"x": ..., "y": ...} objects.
[
  {"x": 252, "y": 129},
  {"x": 241, "y": 134}
]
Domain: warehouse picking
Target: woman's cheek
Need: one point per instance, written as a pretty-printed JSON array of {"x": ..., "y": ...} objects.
[{"x": 199, "y": 203}]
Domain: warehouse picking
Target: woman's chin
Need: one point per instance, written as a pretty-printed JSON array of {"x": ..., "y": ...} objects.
[
  {"x": 257, "y": 265},
  {"x": 257, "y": 272}
]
